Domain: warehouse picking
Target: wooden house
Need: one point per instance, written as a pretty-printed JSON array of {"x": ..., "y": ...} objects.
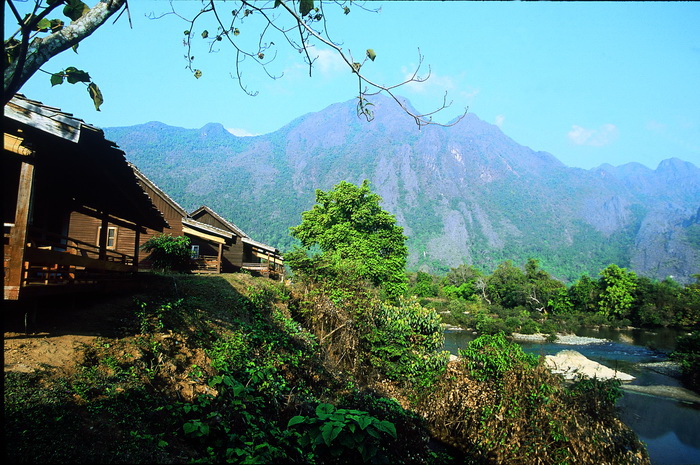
[
  {"x": 243, "y": 253},
  {"x": 218, "y": 246},
  {"x": 207, "y": 242},
  {"x": 56, "y": 169}
]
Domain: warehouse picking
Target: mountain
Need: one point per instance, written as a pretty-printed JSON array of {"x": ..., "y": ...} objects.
[{"x": 464, "y": 194}]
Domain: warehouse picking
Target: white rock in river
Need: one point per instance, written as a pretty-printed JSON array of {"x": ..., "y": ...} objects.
[{"x": 571, "y": 364}]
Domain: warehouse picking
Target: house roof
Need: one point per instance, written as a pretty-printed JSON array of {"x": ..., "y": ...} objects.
[
  {"x": 88, "y": 169},
  {"x": 232, "y": 227},
  {"x": 190, "y": 225},
  {"x": 161, "y": 193},
  {"x": 267, "y": 248},
  {"x": 205, "y": 231},
  {"x": 235, "y": 229}
]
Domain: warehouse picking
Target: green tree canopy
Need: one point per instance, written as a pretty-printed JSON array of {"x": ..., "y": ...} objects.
[
  {"x": 617, "y": 291},
  {"x": 353, "y": 232}
]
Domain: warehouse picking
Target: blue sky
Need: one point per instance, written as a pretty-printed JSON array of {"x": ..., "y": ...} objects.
[{"x": 589, "y": 82}]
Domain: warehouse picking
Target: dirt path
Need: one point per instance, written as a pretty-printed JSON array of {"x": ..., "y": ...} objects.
[{"x": 56, "y": 339}]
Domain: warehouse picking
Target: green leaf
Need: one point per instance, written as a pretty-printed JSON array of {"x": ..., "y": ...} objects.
[
  {"x": 330, "y": 431},
  {"x": 370, "y": 54},
  {"x": 74, "y": 75},
  {"x": 56, "y": 25},
  {"x": 356, "y": 67},
  {"x": 296, "y": 420},
  {"x": 364, "y": 422},
  {"x": 187, "y": 32},
  {"x": 236, "y": 31},
  {"x": 75, "y": 47},
  {"x": 305, "y": 6},
  {"x": 189, "y": 427},
  {"x": 205, "y": 34},
  {"x": 324, "y": 408},
  {"x": 74, "y": 9},
  {"x": 56, "y": 79},
  {"x": 197, "y": 73},
  {"x": 95, "y": 95},
  {"x": 346, "y": 10},
  {"x": 43, "y": 25},
  {"x": 387, "y": 427}
]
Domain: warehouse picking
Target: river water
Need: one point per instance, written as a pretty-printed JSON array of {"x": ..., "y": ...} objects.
[{"x": 670, "y": 428}]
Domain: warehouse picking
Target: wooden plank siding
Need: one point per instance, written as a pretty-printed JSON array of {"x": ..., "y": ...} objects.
[
  {"x": 57, "y": 169},
  {"x": 232, "y": 256},
  {"x": 245, "y": 253},
  {"x": 211, "y": 240}
]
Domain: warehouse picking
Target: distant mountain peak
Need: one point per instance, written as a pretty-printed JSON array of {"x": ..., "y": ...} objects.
[{"x": 464, "y": 194}]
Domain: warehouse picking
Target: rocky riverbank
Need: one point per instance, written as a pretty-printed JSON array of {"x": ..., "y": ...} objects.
[
  {"x": 567, "y": 339},
  {"x": 572, "y": 364}
]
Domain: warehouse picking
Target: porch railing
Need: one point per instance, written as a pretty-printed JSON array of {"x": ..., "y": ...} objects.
[
  {"x": 54, "y": 259},
  {"x": 206, "y": 264}
]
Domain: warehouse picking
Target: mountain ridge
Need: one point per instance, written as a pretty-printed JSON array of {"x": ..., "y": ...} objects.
[{"x": 464, "y": 194}]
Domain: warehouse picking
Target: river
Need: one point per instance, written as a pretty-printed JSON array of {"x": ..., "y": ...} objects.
[{"x": 670, "y": 428}]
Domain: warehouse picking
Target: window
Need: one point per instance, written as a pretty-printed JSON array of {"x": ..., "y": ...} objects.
[
  {"x": 195, "y": 251},
  {"x": 111, "y": 236}
]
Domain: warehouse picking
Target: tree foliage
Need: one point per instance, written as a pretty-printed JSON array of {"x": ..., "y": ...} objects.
[
  {"x": 169, "y": 253},
  {"x": 528, "y": 300},
  {"x": 617, "y": 287},
  {"x": 352, "y": 231}
]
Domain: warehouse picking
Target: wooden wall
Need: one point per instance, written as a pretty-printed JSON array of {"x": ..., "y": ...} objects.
[{"x": 232, "y": 257}]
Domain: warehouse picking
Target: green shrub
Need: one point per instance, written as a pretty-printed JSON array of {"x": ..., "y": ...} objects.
[
  {"x": 530, "y": 327},
  {"x": 489, "y": 325},
  {"x": 489, "y": 357},
  {"x": 687, "y": 353},
  {"x": 405, "y": 340},
  {"x": 342, "y": 435},
  {"x": 169, "y": 253},
  {"x": 596, "y": 397}
]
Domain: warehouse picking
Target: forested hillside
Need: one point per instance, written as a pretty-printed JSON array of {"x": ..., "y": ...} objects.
[{"x": 463, "y": 194}]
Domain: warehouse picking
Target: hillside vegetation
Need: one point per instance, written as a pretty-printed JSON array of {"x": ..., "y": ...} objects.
[
  {"x": 464, "y": 194},
  {"x": 230, "y": 368}
]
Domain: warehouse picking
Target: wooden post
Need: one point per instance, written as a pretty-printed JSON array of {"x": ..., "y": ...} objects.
[
  {"x": 103, "y": 237},
  {"x": 18, "y": 233},
  {"x": 218, "y": 260},
  {"x": 137, "y": 239}
]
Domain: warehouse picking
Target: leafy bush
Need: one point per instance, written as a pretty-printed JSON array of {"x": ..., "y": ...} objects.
[
  {"x": 404, "y": 342},
  {"x": 169, "y": 253},
  {"x": 596, "y": 397},
  {"x": 342, "y": 435},
  {"x": 489, "y": 357},
  {"x": 687, "y": 353},
  {"x": 486, "y": 324}
]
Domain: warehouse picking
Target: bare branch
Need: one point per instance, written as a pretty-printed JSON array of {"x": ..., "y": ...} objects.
[{"x": 420, "y": 119}]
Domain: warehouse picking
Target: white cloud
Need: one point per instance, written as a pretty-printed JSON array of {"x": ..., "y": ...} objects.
[
  {"x": 499, "y": 120},
  {"x": 434, "y": 81},
  {"x": 326, "y": 63},
  {"x": 593, "y": 137},
  {"x": 655, "y": 126}
]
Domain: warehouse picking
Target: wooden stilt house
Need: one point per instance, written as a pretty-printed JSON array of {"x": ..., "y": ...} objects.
[
  {"x": 208, "y": 242},
  {"x": 57, "y": 168},
  {"x": 244, "y": 253}
]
